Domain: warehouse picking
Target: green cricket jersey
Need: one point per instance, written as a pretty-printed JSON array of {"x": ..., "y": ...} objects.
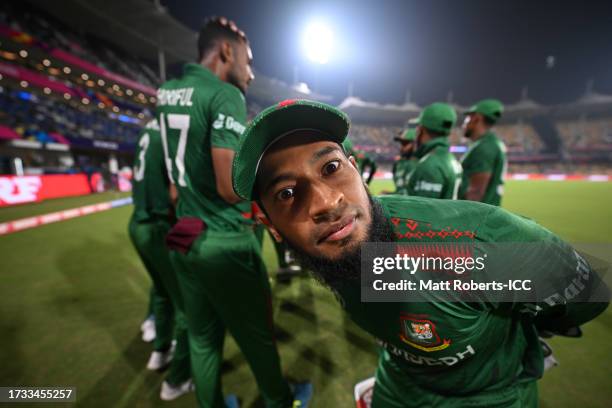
[
  {"x": 401, "y": 170},
  {"x": 197, "y": 112},
  {"x": 486, "y": 155},
  {"x": 459, "y": 348},
  {"x": 364, "y": 161},
  {"x": 150, "y": 179},
  {"x": 437, "y": 173}
]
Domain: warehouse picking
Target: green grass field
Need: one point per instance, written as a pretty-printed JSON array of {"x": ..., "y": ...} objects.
[{"x": 74, "y": 293}]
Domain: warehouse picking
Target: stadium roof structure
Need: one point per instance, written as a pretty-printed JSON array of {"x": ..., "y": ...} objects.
[
  {"x": 591, "y": 103},
  {"x": 525, "y": 108},
  {"x": 374, "y": 112},
  {"x": 143, "y": 28},
  {"x": 139, "y": 27}
]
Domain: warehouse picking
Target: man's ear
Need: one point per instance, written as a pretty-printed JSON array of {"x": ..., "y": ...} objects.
[
  {"x": 226, "y": 52},
  {"x": 261, "y": 217},
  {"x": 351, "y": 160}
]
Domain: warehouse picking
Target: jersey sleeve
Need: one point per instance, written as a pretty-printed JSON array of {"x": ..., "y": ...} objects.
[
  {"x": 229, "y": 116},
  {"x": 425, "y": 181},
  {"x": 482, "y": 159},
  {"x": 569, "y": 292}
]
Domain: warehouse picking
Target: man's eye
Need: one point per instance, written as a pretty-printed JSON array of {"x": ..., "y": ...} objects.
[
  {"x": 331, "y": 167},
  {"x": 285, "y": 194}
]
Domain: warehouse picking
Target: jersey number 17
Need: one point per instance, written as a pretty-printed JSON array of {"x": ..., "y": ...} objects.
[{"x": 178, "y": 122}]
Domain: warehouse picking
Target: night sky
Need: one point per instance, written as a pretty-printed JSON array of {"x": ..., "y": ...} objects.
[{"x": 474, "y": 48}]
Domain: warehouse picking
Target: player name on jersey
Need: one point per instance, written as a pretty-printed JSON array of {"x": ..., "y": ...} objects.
[{"x": 174, "y": 97}]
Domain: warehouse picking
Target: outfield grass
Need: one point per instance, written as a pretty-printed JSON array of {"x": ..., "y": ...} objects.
[
  {"x": 49, "y": 206},
  {"x": 74, "y": 293}
]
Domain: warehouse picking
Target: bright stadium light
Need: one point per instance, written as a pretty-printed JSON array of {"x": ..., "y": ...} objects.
[{"x": 318, "y": 42}]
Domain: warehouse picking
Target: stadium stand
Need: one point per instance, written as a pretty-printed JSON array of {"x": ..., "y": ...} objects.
[
  {"x": 57, "y": 35},
  {"x": 46, "y": 119},
  {"x": 60, "y": 86},
  {"x": 586, "y": 134}
]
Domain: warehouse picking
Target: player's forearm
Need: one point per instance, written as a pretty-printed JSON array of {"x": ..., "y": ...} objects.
[
  {"x": 227, "y": 194},
  {"x": 477, "y": 186},
  {"x": 475, "y": 194},
  {"x": 222, "y": 164},
  {"x": 173, "y": 193}
]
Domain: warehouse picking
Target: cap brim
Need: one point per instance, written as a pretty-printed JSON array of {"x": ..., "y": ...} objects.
[
  {"x": 275, "y": 123},
  {"x": 471, "y": 109}
]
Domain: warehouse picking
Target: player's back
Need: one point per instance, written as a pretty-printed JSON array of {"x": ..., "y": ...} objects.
[
  {"x": 488, "y": 154},
  {"x": 150, "y": 181},
  {"x": 437, "y": 174},
  {"x": 198, "y": 112}
]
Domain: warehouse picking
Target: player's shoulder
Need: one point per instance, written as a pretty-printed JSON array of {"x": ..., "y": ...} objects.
[
  {"x": 501, "y": 225},
  {"x": 152, "y": 124},
  {"x": 441, "y": 213},
  {"x": 487, "y": 223},
  {"x": 435, "y": 161},
  {"x": 494, "y": 143},
  {"x": 226, "y": 92},
  {"x": 169, "y": 84}
]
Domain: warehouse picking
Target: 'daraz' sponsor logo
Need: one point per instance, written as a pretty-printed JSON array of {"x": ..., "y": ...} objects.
[{"x": 229, "y": 122}]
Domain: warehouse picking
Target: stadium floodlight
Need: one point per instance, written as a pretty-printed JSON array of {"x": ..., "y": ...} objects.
[{"x": 318, "y": 42}]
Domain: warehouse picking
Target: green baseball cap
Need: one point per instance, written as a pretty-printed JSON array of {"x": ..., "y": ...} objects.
[
  {"x": 438, "y": 117},
  {"x": 276, "y": 122},
  {"x": 491, "y": 108},
  {"x": 347, "y": 145},
  {"x": 408, "y": 136}
]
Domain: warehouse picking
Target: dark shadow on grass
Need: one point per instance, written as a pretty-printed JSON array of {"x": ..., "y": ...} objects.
[
  {"x": 12, "y": 373},
  {"x": 299, "y": 310},
  {"x": 103, "y": 293},
  {"x": 232, "y": 363},
  {"x": 357, "y": 337},
  {"x": 135, "y": 354}
]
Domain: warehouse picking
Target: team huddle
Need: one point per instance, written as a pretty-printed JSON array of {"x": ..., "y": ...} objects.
[{"x": 205, "y": 181}]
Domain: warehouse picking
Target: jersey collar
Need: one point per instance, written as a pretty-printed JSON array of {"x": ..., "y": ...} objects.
[
  {"x": 198, "y": 70},
  {"x": 432, "y": 144}
]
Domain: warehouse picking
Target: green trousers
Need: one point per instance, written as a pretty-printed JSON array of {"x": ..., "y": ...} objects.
[
  {"x": 151, "y": 301},
  {"x": 167, "y": 302},
  {"x": 225, "y": 286},
  {"x": 396, "y": 389}
]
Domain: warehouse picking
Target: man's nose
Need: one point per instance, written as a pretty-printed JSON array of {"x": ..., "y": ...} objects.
[{"x": 324, "y": 202}]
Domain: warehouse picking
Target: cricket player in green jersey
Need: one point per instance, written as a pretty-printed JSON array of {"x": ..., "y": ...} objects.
[
  {"x": 485, "y": 163},
  {"x": 222, "y": 276},
  {"x": 403, "y": 166},
  {"x": 435, "y": 353},
  {"x": 437, "y": 173},
  {"x": 363, "y": 160},
  {"x": 148, "y": 227}
]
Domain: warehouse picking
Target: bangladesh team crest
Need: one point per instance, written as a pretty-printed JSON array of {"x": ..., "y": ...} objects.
[{"x": 421, "y": 333}]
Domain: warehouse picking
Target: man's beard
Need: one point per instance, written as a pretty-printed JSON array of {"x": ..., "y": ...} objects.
[
  {"x": 407, "y": 155},
  {"x": 232, "y": 78},
  {"x": 346, "y": 269}
]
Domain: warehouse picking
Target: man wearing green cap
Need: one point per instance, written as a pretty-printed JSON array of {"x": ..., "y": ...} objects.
[
  {"x": 485, "y": 163},
  {"x": 148, "y": 227},
  {"x": 438, "y": 173},
  {"x": 435, "y": 353},
  {"x": 222, "y": 276},
  {"x": 403, "y": 166}
]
